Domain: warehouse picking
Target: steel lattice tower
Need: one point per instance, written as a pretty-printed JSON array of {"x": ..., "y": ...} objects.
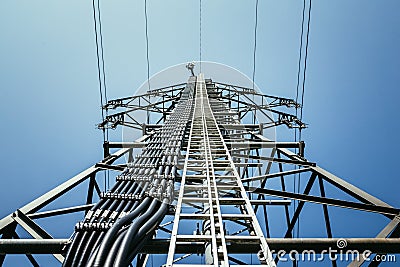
[{"x": 199, "y": 190}]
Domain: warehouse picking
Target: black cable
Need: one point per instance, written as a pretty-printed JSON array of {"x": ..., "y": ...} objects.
[
  {"x": 90, "y": 242},
  {"x": 111, "y": 254},
  {"x": 132, "y": 231},
  {"x": 88, "y": 249},
  {"x": 91, "y": 259},
  {"x": 82, "y": 251},
  {"x": 81, "y": 238},
  {"x": 78, "y": 253},
  {"x": 146, "y": 231},
  {"x": 95, "y": 250},
  {"x": 69, "y": 257},
  {"x": 109, "y": 238}
]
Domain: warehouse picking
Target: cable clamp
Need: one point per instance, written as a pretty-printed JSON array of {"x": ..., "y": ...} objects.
[
  {"x": 111, "y": 195},
  {"x": 99, "y": 226}
]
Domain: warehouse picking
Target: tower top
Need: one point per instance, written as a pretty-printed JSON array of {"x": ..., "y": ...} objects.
[{"x": 190, "y": 66}]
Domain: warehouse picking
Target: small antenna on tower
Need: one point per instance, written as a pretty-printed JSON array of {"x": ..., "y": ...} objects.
[{"x": 190, "y": 66}]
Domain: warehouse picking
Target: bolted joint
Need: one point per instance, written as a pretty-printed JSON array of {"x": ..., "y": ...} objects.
[
  {"x": 106, "y": 149},
  {"x": 302, "y": 145}
]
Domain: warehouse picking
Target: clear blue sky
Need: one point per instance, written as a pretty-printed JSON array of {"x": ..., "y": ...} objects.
[{"x": 50, "y": 100}]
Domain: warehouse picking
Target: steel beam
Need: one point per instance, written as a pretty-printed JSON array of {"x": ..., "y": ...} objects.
[
  {"x": 50, "y": 213},
  {"x": 58, "y": 191},
  {"x": 275, "y": 175},
  {"x": 327, "y": 201},
  {"x": 261, "y": 144},
  {"x": 334, "y": 180},
  {"x": 33, "y": 246},
  {"x": 386, "y": 231},
  {"x": 241, "y": 245},
  {"x": 33, "y": 229}
]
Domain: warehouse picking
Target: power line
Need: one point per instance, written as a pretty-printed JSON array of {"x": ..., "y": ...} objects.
[
  {"x": 303, "y": 84},
  {"x": 100, "y": 72},
  {"x": 254, "y": 69},
  {"x": 299, "y": 63},
  {"x": 102, "y": 59},
  {"x": 147, "y": 45},
  {"x": 200, "y": 14},
  {"x": 147, "y": 59},
  {"x": 98, "y": 65},
  {"x": 255, "y": 42},
  {"x": 297, "y": 100},
  {"x": 305, "y": 65}
]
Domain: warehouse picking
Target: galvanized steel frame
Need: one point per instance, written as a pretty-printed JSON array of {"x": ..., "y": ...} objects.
[{"x": 218, "y": 107}]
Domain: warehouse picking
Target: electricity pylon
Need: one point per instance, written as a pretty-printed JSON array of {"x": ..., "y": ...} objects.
[{"x": 201, "y": 186}]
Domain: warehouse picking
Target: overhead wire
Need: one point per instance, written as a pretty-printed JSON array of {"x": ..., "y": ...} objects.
[
  {"x": 255, "y": 42},
  {"x": 101, "y": 67},
  {"x": 84, "y": 240},
  {"x": 303, "y": 81},
  {"x": 102, "y": 56},
  {"x": 147, "y": 44},
  {"x": 305, "y": 65},
  {"x": 200, "y": 15},
  {"x": 299, "y": 62},
  {"x": 147, "y": 58},
  {"x": 107, "y": 173},
  {"x": 254, "y": 66},
  {"x": 100, "y": 71},
  {"x": 297, "y": 99},
  {"x": 98, "y": 64}
]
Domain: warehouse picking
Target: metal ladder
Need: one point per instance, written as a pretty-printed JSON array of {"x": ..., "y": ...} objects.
[{"x": 209, "y": 177}]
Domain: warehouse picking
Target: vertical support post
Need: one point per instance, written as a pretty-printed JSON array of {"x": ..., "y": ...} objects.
[
  {"x": 8, "y": 233},
  {"x": 106, "y": 149},
  {"x": 300, "y": 206},
  {"x": 326, "y": 213},
  {"x": 92, "y": 182},
  {"x": 282, "y": 178}
]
